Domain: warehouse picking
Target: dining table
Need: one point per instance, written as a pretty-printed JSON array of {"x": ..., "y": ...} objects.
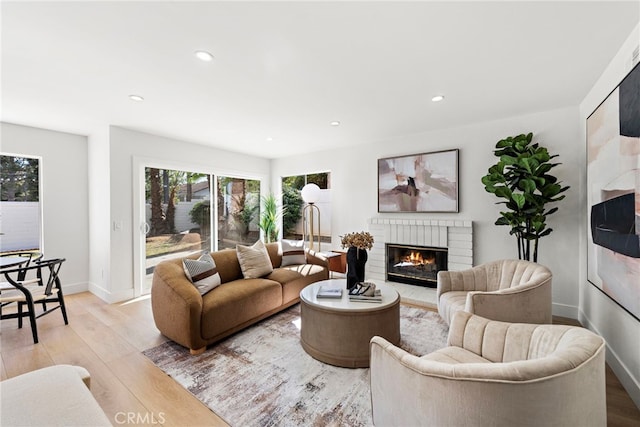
[{"x": 12, "y": 261}]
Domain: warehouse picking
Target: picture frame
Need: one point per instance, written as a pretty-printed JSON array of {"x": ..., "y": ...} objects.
[
  {"x": 613, "y": 192},
  {"x": 425, "y": 182}
]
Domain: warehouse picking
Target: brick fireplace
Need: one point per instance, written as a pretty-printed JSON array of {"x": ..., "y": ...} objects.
[
  {"x": 415, "y": 265},
  {"x": 454, "y": 235}
]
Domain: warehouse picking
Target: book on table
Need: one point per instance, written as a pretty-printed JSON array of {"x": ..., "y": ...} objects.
[
  {"x": 325, "y": 291},
  {"x": 362, "y": 298},
  {"x": 376, "y": 297}
]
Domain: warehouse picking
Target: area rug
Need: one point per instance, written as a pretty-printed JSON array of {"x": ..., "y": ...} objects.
[{"x": 262, "y": 376}]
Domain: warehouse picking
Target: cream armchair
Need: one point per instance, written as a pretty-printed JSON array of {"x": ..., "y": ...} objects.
[
  {"x": 508, "y": 290},
  {"x": 493, "y": 374}
]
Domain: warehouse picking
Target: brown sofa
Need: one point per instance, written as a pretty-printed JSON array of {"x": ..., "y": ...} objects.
[{"x": 195, "y": 320}]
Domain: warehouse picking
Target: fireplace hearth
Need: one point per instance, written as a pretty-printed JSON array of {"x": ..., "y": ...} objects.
[{"x": 415, "y": 265}]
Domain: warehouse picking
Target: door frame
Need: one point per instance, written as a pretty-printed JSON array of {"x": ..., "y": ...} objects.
[{"x": 139, "y": 220}]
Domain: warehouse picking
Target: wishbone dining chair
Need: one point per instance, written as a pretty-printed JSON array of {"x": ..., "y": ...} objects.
[{"x": 28, "y": 292}]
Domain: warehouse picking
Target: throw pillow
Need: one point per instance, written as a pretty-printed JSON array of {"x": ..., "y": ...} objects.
[
  {"x": 254, "y": 260},
  {"x": 202, "y": 272},
  {"x": 292, "y": 252}
]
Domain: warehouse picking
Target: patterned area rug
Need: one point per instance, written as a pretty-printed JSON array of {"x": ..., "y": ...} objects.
[{"x": 262, "y": 376}]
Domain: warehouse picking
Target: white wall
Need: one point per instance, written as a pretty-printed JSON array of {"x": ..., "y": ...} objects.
[
  {"x": 64, "y": 196},
  {"x": 129, "y": 148},
  {"x": 99, "y": 203},
  {"x": 597, "y": 311},
  {"x": 354, "y": 188}
]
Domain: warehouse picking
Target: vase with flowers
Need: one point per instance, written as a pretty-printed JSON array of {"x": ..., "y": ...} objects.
[{"x": 357, "y": 245}]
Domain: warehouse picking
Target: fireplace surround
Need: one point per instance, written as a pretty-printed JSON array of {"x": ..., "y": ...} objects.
[
  {"x": 415, "y": 265},
  {"x": 454, "y": 234}
]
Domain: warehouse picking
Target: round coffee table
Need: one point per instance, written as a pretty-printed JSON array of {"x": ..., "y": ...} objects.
[{"x": 338, "y": 331}]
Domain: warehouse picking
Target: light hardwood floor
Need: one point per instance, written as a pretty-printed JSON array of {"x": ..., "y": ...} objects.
[{"x": 107, "y": 339}]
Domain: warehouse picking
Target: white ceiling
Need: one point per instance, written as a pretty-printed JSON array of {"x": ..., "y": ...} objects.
[{"x": 285, "y": 70}]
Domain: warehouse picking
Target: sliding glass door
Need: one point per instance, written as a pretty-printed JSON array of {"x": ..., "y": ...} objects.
[
  {"x": 238, "y": 211},
  {"x": 178, "y": 211},
  {"x": 182, "y": 211}
]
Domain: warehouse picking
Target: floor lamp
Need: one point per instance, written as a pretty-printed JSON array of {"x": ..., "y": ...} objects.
[{"x": 310, "y": 194}]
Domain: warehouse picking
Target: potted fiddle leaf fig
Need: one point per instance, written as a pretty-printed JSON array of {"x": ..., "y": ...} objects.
[{"x": 521, "y": 178}]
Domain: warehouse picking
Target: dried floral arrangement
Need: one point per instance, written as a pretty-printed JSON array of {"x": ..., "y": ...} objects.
[{"x": 360, "y": 240}]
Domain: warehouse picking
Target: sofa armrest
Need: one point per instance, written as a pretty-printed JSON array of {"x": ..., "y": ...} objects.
[
  {"x": 393, "y": 401},
  {"x": 455, "y": 281},
  {"x": 317, "y": 258},
  {"x": 530, "y": 303},
  {"x": 176, "y": 305},
  {"x": 443, "y": 283},
  {"x": 55, "y": 395},
  {"x": 407, "y": 390}
]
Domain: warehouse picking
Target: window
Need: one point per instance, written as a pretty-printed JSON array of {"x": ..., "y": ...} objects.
[
  {"x": 293, "y": 204},
  {"x": 20, "y": 210},
  {"x": 238, "y": 211}
]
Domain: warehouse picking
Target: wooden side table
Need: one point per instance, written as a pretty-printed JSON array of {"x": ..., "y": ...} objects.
[{"x": 337, "y": 261}]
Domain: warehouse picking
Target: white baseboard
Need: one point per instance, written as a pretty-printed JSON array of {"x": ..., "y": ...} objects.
[
  {"x": 74, "y": 288},
  {"x": 565, "y": 310},
  {"x": 110, "y": 297},
  {"x": 630, "y": 384}
]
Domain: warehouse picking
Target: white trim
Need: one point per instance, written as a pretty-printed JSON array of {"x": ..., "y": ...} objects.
[
  {"x": 110, "y": 297},
  {"x": 40, "y": 192},
  {"x": 565, "y": 310},
  {"x": 621, "y": 370},
  {"x": 139, "y": 164},
  {"x": 74, "y": 288}
]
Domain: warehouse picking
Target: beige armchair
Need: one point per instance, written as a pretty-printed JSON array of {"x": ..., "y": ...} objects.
[
  {"x": 493, "y": 374},
  {"x": 507, "y": 290}
]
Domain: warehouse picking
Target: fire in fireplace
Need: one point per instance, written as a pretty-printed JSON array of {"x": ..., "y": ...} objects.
[{"x": 415, "y": 265}]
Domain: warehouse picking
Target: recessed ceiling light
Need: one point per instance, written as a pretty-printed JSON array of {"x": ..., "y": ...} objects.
[
  {"x": 203, "y": 55},
  {"x": 136, "y": 98},
  {"x": 437, "y": 98},
  {"x": 269, "y": 139},
  {"x": 335, "y": 123}
]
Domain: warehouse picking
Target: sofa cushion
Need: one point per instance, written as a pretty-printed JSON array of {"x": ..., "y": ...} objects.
[
  {"x": 454, "y": 355},
  {"x": 227, "y": 264},
  {"x": 202, "y": 272},
  {"x": 237, "y": 302},
  {"x": 292, "y": 252},
  {"x": 295, "y": 277},
  {"x": 254, "y": 260}
]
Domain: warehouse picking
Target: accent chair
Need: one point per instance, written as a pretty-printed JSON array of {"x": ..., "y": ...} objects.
[
  {"x": 508, "y": 290},
  {"x": 493, "y": 374}
]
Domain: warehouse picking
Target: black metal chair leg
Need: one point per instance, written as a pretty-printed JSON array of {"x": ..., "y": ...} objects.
[
  {"x": 32, "y": 319},
  {"x": 20, "y": 315},
  {"x": 61, "y": 302}
]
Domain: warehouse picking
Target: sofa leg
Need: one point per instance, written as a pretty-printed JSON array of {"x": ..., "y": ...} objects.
[{"x": 197, "y": 351}]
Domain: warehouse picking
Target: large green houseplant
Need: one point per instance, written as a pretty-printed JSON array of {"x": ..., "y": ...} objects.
[
  {"x": 521, "y": 177},
  {"x": 269, "y": 218}
]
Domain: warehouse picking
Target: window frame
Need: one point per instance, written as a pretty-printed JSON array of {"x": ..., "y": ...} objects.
[{"x": 40, "y": 159}]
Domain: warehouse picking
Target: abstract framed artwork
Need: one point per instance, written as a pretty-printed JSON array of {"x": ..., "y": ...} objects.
[
  {"x": 613, "y": 195},
  {"x": 426, "y": 182}
]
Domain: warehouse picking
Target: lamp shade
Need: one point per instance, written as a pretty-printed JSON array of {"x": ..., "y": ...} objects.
[{"x": 310, "y": 193}]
